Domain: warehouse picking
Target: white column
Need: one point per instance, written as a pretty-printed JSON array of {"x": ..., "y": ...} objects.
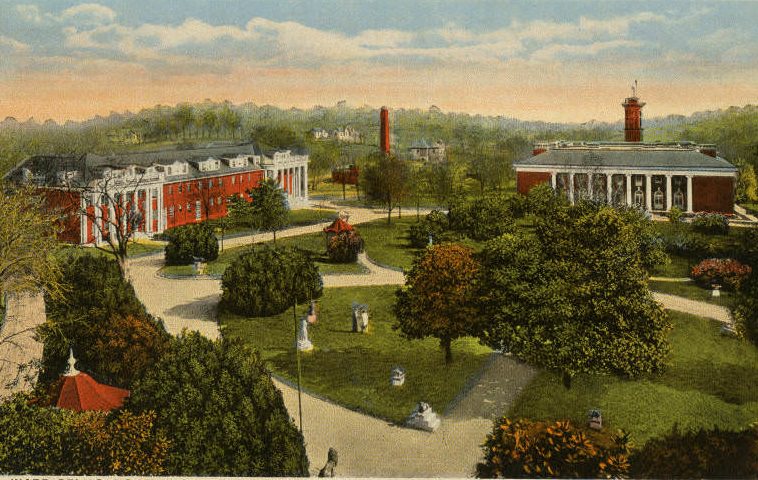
[
  {"x": 305, "y": 181},
  {"x": 553, "y": 180},
  {"x": 629, "y": 189},
  {"x": 97, "y": 222},
  {"x": 669, "y": 197},
  {"x": 83, "y": 219},
  {"x": 112, "y": 222},
  {"x": 648, "y": 192},
  {"x": 609, "y": 187},
  {"x": 689, "y": 193},
  {"x": 589, "y": 186},
  {"x": 571, "y": 187},
  {"x": 148, "y": 210}
]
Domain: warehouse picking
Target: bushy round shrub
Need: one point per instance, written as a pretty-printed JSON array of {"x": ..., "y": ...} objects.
[
  {"x": 482, "y": 218},
  {"x": 699, "y": 454},
  {"x": 187, "y": 242},
  {"x": 726, "y": 272},
  {"x": 675, "y": 215},
  {"x": 522, "y": 448},
  {"x": 263, "y": 281},
  {"x": 344, "y": 247},
  {"x": 711, "y": 223},
  {"x": 434, "y": 224}
]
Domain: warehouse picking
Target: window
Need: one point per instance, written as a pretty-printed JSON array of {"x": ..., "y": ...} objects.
[
  {"x": 233, "y": 179},
  {"x": 197, "y": 209},
  {"x": 180, "y": 208},
  {"x": 189, "y": 207},
  {"x": 220, "y": 182},
  {"x": 171, "y": 211},
  {"x": 219, "y": 201},
  {"x": 170, "y": 189},
  {"x": 179, "y": 189},
  {"x": 210, "y": 183},
  {"x": 211, "y": 202},
  {"x": 189, "y": 187},
  {"x": 199, "y": 185}
]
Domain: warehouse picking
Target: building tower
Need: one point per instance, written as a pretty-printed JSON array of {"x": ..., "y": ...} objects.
[
  {"x": 384, "y": 131},
  {"x": 633, "y": 117}
]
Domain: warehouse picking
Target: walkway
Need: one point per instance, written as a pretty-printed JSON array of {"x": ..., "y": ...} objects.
[
  {"x": 20, "y": 351},
  {"x": 694, "y": 307}
]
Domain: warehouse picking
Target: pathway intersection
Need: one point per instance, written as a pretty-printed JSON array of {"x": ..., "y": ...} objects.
[{"x": 367, "y": 446}]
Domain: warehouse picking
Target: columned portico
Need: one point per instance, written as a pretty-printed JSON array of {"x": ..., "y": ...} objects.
[
  {"x": 689, "y": 193},
  {"x": 648, "y": 192},
  {"x": 669, "y": 193}
]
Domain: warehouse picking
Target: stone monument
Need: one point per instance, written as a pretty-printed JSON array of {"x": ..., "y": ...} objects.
[
  {"x": 331, "y": 464},
  {"x": 360, "y": 317},
  {"x": 595, "y": 419},
  {"x": 303, "y": 344},
  {"x": 397, "y": 378},
  {"x": 423, "y": 418}
]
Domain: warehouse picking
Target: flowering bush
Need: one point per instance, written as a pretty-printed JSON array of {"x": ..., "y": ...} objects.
[
  {"x": 345, "y": 247},
  {"x": 722, "y": 271},
  {"x": 522, "y": 448}
]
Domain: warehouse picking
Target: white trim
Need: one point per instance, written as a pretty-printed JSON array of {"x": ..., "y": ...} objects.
[{"x": 633, "y": 171}]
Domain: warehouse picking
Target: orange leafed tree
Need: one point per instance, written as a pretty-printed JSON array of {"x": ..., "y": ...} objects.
[{"x": 438, "y": 298}]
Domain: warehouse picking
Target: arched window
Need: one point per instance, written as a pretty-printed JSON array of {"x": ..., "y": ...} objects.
[
  {"x": 679, "y": 199},
  {"x": 639, "y": 197},
  {"x": 658, "y": 200}
]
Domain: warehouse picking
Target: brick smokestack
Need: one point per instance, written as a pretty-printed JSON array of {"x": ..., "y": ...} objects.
[
  {"x": 384, "y": 131},
  {"x": 633, "y": 119}
]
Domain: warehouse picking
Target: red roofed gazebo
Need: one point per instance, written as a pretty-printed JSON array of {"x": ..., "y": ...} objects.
[
  {"x": 338, "y": 226},
  {"x": 80, "y": 392}
]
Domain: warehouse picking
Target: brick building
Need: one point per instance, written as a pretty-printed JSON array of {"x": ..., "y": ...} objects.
[
  {"x": 653, "y": 176},
  {"x": 168, "y": 188}
]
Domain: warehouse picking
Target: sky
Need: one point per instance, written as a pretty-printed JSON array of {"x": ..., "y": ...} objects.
[{"x": 566, "y": 61}]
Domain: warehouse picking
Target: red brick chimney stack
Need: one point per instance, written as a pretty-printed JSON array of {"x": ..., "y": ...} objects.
[
  {"x": 384, "y": 131},
  {"x": 633, "y": 117}
]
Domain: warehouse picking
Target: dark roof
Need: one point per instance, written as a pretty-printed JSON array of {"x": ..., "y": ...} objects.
[{"x": 659, "y": 158}]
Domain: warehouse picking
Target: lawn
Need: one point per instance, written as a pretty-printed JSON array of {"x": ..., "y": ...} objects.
[
  {"x": 302, "y": 216},
  {"x": 678, "y": 267},
  {"x": 692, "y": 291},
  {"x": 711, "y": 380},
  {"x": 313, "y": 242},
  {"x": 353, "y": 369},
  {"x": 389, "y": 244}
]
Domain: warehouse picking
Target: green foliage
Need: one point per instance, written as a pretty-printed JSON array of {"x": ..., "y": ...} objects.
[
  {"x": 564, "y": 299},
  {"x": 435, "y": 224},
  {"x": 187, "y": 242},
  {"x": 438, "y": 297},
  {"x": 699, "y": 454},
  {"x": 675, "y": 215},
  {"x": 745, "y": 310},
  {"x": 27, "y": 243},
  {"x": 344, "y": 247},
  {"x": 276, "y": 137},
  {"x": 747, "y": 184},
  {"x": 265, "y": 281},
  {"x": 221, "y": 411},
  {"x": 268, "y": 206},
  {"x": 49, "y": 441},
  {"x": 542, "y": 200},
  {"x": 481, "y": 218},
  {"x": 385, "y": 180},
  {"x": 98, "y": 299},
  {"x": 526, "y": 449},
  {"x": 711, "y": 223}
]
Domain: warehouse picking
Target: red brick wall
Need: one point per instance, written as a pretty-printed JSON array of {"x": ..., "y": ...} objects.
[
  {"x": 526, "y": 180},
  {"x": 67, "y": 204},
  {"x": 713, "y": 194},
  {"x": 192, "y": 193}
]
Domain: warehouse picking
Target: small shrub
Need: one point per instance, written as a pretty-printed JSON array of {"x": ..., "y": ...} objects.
[
  {"x": 190, "y": 241},
  {"x": 263, "y": 281},
  {"x": 745, "y": 310},
  {"x": 711, "y": 223},
  {"x": 675, "y": 215},
  {"x": 345, "y": 247},
  {"x": 699, "y": 454},
  {"x": 726, "y": 272},
  {"x": 522, "y": 448},
  {"x": 434, "y": 224},
  {"x": 685, "y": 244},
  {"x": 518, "y": 205}
]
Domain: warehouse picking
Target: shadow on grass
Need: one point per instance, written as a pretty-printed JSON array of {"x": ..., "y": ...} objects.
[
  {"x": 203, "y": 309},
  {"x": 736, "y": 384}
]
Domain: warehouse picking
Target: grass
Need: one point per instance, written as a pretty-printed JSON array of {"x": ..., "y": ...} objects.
[
  {"x": 711, "y": 380},
  {"x": 692, "y": 291},
  {"x": 752, "y": 208},
  {"x": 678, "y": 267},
  {"x": 299, "y": 217},
  {"x": 134, "y": 249},
  {"x": 353, "y": 369},
  {"x": 389, "y": 244}
]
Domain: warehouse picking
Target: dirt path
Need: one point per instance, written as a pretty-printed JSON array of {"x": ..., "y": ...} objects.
[{"x": 694, "y": 307}]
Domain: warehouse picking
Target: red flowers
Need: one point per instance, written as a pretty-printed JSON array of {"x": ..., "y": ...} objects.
[{"x": 726, "y": 272}]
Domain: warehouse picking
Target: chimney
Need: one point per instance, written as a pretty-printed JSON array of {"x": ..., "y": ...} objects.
[
  {"x": 384, "y": 131},
  {"x": 633, "y": 119}
]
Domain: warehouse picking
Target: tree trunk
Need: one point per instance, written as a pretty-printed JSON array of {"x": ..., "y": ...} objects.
[
  {"x": 343, "y": 190},
  {"x": 274, "y": 237},
  {"x": 389, "y": 215},
  {"x": 400, "y": 211},
  {"x": 445, "y": 344},
  {"x": 566, "y": 377}
]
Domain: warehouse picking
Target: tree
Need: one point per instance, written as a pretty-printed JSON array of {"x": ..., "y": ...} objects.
[
  {"x": 102, "y": 320},
  {"x": 184, "y": 116},
  {"x": 344, "y": 247},
  {"x": 269, "y": 209},
  {"x": 434, "y": 225},
  {"x": 438, "y": 297},
  {"x": 223, "y": 414},
  {"x": 27, "y": 243},
  {"x": 481, "y": 218},
  {"x": 564, "y": 299},
  {"x": 385, "y": 180},
  {"x": 747, "y": 184},
  {"x": 526, "y": 449},
  {"x": 42, "y": 440},
  {"x": 263, "y": 281},
  {"x": 324, "y": 156},
  {"x": 192, "y": 241},
  {"x": 445, "y": 181}
]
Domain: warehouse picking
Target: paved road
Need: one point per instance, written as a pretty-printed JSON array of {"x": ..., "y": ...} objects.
[{"x": 20, "y": 351}]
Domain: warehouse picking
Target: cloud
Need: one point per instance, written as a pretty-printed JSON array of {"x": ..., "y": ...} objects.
[
  {"x": 565, "y": 52},
  {"x": 88, "y": 14},
  {"x": 12, "y": 45}
]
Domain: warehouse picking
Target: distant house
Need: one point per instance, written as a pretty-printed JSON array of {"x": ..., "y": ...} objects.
[
  {"x": 428, "y": 152},
  {"x": 124, "y": 137},
  {"x": 319, "y": 134},
  {"x": 347, "y": 134}
]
